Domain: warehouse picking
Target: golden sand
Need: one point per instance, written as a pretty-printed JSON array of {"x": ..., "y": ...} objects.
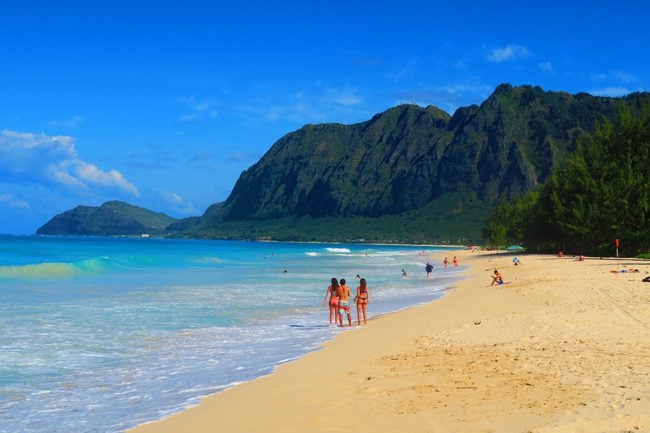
[{"x": 565, "y": 347}]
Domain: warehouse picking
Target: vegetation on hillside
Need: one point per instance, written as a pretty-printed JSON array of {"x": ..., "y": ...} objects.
[
  {"x": 435, "y": 223},
  {"x": 600, "y": 194},
  {"x": 110, "y": 219}
]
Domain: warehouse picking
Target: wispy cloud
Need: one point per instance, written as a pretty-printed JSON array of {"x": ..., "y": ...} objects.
[
  {"x": 612, "y": 91},
  {"x": 150, "y": 156},
  {"x": 71, "y": 123},
  {"x": 511, "y": 52},
  {"x": 407, "y": 71},
  {"x": 545, "y": 66},
  {"x": 240, "y": 157},
  {"x": 616, "y": 76},
  {"x": 200, "y": 109},
  {"x": 173, "y": 203},
  {"x": 11, "y": 201},
  {"x": 310, "y": 107},
  {"x": 52, "y": 161},
  {"x": 349, "y": 99}
]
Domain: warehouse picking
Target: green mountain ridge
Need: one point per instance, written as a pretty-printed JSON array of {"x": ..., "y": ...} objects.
[
  {"x": 110, "y": 219},
  {"x": 409, "y": 174},
  {"x": 408, "y": 167}
]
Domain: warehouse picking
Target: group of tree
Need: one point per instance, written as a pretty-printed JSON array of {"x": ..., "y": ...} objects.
[{"x": 601, "y": 193}]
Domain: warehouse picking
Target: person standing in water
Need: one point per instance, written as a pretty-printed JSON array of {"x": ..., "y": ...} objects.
[
  {"x": 445, "y": 262},
  {"x": 344, "y": 302},
  {"x": 362, "y": 298},
  {"x": 455, "y": 262},
  {"x": 332, "y": 293}
]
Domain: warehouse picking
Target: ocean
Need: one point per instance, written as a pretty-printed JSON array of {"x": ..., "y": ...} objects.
[{"x": 103, "y": 334}]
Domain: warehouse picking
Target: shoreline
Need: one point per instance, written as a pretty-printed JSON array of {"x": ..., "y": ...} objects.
[{"x": 546, "y": 352}]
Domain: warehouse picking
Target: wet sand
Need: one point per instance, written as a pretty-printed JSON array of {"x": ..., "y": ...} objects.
[{"x": 564, "y": 347}]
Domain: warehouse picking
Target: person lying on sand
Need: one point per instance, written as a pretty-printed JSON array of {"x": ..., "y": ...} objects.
[{"x": 623, "y": 271}]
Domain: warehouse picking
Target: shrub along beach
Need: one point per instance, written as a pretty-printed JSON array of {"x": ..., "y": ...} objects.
[{"x": 561, "y": 347}]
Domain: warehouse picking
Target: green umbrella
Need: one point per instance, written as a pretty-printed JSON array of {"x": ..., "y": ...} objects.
[{"x": 515, "y": 248}]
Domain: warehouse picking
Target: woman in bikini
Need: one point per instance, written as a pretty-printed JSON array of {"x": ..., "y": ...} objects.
[
  {"x": 333, "y": 301},
  {"x": 362, "y": 298}
]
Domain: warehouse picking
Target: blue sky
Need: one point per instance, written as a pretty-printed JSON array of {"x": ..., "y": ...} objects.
[{"x": 164, "y": 104}]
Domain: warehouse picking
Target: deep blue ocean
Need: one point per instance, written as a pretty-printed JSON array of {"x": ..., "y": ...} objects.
[{"x": 102, "y": 334}]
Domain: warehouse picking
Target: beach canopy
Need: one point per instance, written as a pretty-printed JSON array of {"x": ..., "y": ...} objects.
[{"x": 514, "y": 248}]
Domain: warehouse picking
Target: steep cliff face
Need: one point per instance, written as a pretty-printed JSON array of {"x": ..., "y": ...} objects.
[
  {"x": 371, "y": 168},
  {"x": 407, "y": 157}
]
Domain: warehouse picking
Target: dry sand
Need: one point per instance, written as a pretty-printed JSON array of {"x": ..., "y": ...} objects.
[{"x": 565, "y": 347}]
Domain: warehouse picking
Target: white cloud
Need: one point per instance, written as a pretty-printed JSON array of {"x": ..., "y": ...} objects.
[
  {"x": 11, "y": 201},
  {"x": 52, "y": 161},
  {"x": 70, "y": 123},
  {"x": 611, "y": 91},
  {"x": 510, "y": 53},
  {"x": 546, "y": 66},
  {"x": 348, "y": 100}
]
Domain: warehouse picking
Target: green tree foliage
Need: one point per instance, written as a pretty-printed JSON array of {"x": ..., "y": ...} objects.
[{"x": 602, "y": 193}]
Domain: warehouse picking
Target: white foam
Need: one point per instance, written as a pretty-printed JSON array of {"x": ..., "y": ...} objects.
[{"x": 338, "y": 250}]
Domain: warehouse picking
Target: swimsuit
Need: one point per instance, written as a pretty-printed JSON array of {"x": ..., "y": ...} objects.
[
  {"x": 344, "y": 307},
  {"x": 334, "y": 300},
  {"x": 364, "y": 299}
]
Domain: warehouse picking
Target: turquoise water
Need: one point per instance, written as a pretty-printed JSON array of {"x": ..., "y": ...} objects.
[{"x": 102, "y": 334}]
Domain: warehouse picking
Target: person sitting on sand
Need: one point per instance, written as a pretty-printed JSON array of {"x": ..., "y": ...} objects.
[
  {"x": 344, "y": 302},
  {"x": 497, "y": 278},
  {"x": 362, "y": 299},
  {"x": 332, "y": 293}
]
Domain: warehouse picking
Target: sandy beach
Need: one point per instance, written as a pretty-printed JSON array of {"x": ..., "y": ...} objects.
[{"x": 564, "y": 347}]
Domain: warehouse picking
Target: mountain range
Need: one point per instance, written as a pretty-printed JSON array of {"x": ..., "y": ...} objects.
[{"x": 408, "y": 174}]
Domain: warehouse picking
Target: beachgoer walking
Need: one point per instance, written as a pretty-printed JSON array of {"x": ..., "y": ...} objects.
[
  {"x": 497, "y": 278},
  {"x": 344, "y": 302},
  {"x": 332, "y": 294},
  {"x": 445, "y": 262},
  {"x": 455, "y": 262},
  {"x": 362, "y": 298},
  {"x": 429, "y": 269}
]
